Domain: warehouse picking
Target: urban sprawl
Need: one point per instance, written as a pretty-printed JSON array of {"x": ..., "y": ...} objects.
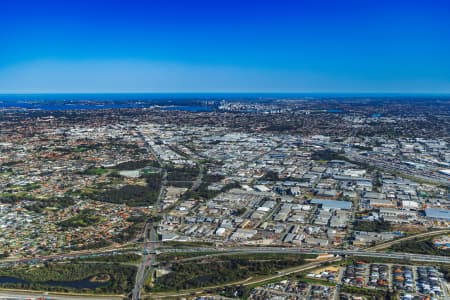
[{"x": 273, "y": 199}]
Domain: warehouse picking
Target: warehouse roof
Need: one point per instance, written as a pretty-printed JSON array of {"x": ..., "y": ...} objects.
[
  {"x": 438, "y": 213},
  {"x": 332, "y": 204}
]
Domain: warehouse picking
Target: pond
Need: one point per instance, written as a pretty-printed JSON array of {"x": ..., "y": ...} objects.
[{"x": 77, "y": 284}]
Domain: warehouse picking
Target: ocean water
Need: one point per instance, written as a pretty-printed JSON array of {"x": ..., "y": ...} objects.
[
  {"x": 188, "y": 102},
  {"x": 194, "y": 102}
]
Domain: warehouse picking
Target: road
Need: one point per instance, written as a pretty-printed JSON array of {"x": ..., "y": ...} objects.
[
  {"x": 201, "y": 169},
  {"x": 162, "y": 191},
  {"x": 362, "y": 253},
  {"x": 426, "y": 175},
  {"x": 68, "y": 256},
  {"x": 19, "y": 295},
  {"x": 338, "y": 285},
  {"x": 367, "y": 251},
  {"x": 248, "y": 281},
  {"x": 149, "y": 254},
  {"x": 161, "y": 163},
  {"x": 147, "y": 262},
  {"x": 150, "y": 235},
  {"x": 149, "y": 258},
  {"x": 445, "y": 288},
  {"x": 136, "y": 292},
  {"x": 199, "y": 178},
  {"x": 420, "y": 235}
]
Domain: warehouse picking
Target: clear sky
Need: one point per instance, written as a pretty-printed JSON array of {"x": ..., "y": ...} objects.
[{"x": 224, "y": 46}]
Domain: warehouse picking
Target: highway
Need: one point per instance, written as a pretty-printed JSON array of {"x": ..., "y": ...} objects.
[
  {"x": 149, "y": 252},
  {"x": 201, "y": 169},
  {"x": 362, "y": 253},
  {"x": 372, "y": 251},
  {"x": 420, "y": 235},
  {"x": 149, "y": 256},
  {"x": 162, "y": 191},
  {"x": 59, "y": 257},
  {"x": 161, "y": 164},
  {"x": 199, "y": 179},
  {"x": 23, "y": 295},
  {"x": 140, "y": 274},
  {"x": 426, "y": 175},
  {"x": 147, "y": 262},
  {"x": 201, "y": 172},
  {"x": 338, "y": 285},
  {"x": 248, "y": 281}
]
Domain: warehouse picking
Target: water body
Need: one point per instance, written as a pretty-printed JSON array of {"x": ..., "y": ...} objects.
[
  {"x": 183, "y": 101},
  {"x": 77, "y": 284},
  {"x": 54, "y": 102},
  {"x": 190, "y": 108},
  {"x": 7, "y": 279},
  {"x": 49, "y": 107}
]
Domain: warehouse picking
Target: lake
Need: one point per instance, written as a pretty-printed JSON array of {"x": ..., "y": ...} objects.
[{"x": 78, "y": 284}]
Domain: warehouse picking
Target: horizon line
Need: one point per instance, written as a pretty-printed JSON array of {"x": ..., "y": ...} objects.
[{"x": 226, "y": 93}]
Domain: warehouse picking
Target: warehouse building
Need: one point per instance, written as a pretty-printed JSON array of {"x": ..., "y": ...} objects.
[
  {"x": 332, "y": 204},
  {"x": 437, "y": 213}
]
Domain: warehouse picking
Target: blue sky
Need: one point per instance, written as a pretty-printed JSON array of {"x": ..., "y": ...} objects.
[{"x": 224, "y": 46}]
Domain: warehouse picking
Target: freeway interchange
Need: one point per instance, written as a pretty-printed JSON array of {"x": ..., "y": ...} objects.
[
  {"x": 151, "y": 252},
  {"x": 151, "y": 248}
]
